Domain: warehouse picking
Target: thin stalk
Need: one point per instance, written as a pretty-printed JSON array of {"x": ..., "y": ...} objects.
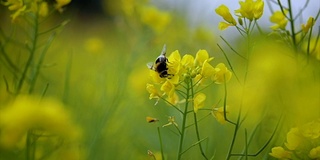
[
  {"x": 161, "y": 145},
  {"x": 291, "y": 19},
  {"x": 41, "y": 59},
  {"x": 196, "y": 124},
  {"x": 184, "y": 119},
  {"x": 32, "y": 54}
]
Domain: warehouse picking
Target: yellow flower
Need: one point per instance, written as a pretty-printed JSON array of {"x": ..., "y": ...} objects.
[
  {"x": 201, "y": 57},
  {"x": 155, "y": 77},
  {"x": 153, "y": 91},
  {"x": 218, "y": 113},
  {"x": 279, "y": 152},
  {"x": 198, "y": 101},
  {"x": 224, "y": 12},
  {"x": 168, "y": 88},
  {"x": 315, "y": 153},
  {"x": 28, "y": 112},
  {"x": 151, "y": 119},
  {"x": 224, "y": 25},
  {"x": 174, "y": 66},
  {"x": 173, "y": 99},
  {"x": 311, "y": 130},
  {"x": 154, "y": 18},
  {"x": 17, "y": 6},
  {"x": 43, "y": 9},
  {"x": 293, "y": 139},
  {"x": 187, "y": 61},
  {"x": 305, "y": 27},
  {"x": 250, "y": 9},
  {"x": 60, "y": 4},
  {"x": 171, "y": 121},
  {"x": 222, "y": 74},
  {"x": 207, "y": 70},
  {"x": 279, "y": 19}
]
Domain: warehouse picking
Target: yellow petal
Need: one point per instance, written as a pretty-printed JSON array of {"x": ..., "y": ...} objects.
[{"x": 198, "y": 101}]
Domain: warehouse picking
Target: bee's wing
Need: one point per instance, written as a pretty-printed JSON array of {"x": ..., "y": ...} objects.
[
  {"x": 164, "y": 50},
  {"x": 150, "y": 65}
]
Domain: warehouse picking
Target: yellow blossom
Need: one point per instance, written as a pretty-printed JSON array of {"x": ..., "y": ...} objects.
[
  {"x": 173, "y": 99},
  {"x": 198, "y": 101},
  {"x": 224, "y": 12},
  {"x": 60, "y": 4},
  {"x": 224, "y": 25},
  {"x": 171, "y": 121},
  {"x": 168, "y": 88},
  {"x": 311, "y": 130},
  {"x": 43, "y": 9},
  {"x": 151, "y": 119},
  {"x": 222, "y": 74},
  {"x": 154, "y": 18},
  {"x": 155, "y": 77},
  {"x": 279, "y": 19},
  {"x": 17, "y": 6},
  {"x": 305, "y": 27},
  {"x": 250, "y": 9},
  {"x": 207, "y": 70},
  {"x": 315, "y": 153},
  {"x": 293, "y": 139},
  {"x": 28, "y": 112},
  {"x": 187, "y": 61},
  {"x": 281, "y": 153},
  {"x": 218, "y": 113},
  {"x": 201, "y": 57},
  {"x": 174, "y": 66},
  {"x": 153, "y": 91}
]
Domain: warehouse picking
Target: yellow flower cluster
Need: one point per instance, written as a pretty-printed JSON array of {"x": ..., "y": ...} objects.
[
  {"x": 303, "y": 142},
  {"x": 39, "y": 7},
  {"x": 196, "y": 70},
  {"x": 249, "y": 9},
  {"x": 154, "y": 18},
  {"x": 28, "y": 112},
  {"x": 280, "y": 20}
]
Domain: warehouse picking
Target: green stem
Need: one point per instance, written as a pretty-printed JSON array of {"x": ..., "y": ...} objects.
[
  {"x": 196, "y": 123},
  {"x": 291, "y": 19},
  {"x": 32, "y": 54},
  {"x": 184, "y": 119},
  {"x": 161, "y": 145}
]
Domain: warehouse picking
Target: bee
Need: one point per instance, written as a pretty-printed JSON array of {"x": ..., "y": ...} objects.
[{"x": 160, "y": 65}]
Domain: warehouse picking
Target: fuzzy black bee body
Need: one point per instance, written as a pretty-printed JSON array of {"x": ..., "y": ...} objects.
[{"x": 160, "y": 65}]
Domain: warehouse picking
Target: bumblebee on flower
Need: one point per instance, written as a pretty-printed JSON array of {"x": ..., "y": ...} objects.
[{"x": 186, "y": 70}]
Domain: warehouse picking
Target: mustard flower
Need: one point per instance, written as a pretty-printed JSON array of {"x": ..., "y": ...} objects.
[
  {"x": 305, "y": 27},
  {"x": 222, "y": 74},
  {"x": 280, "y": 153},
  {"x": 29, "y": 112},
  {"x": 207, "y": 70},
  {"x": 61, "y": 3},
  {"x": 171, "y": 121},
  {"x": 168, "y": 88},
  {"x": 154, "y": 18},
  {"x": 250, "y": 9},
  {"x": 153, "y": 91},
  {"x": 43, "y": 9},
  {"x": 224, "y": 12},
  {"x": 151, "y": 119},
  {"x": 174, "y": 66},
  {"x": 315, "y": 153},
  {"x": 218, "y": 113},
  {"x": 17, "y": 6},
  {"x": 311, "y": 130},
  {"x": 279, "y": 19},
  {"x": 201, "y": 57},
  {"x": 293, "y": 139},
  {"x": 198, "y": 101}
]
